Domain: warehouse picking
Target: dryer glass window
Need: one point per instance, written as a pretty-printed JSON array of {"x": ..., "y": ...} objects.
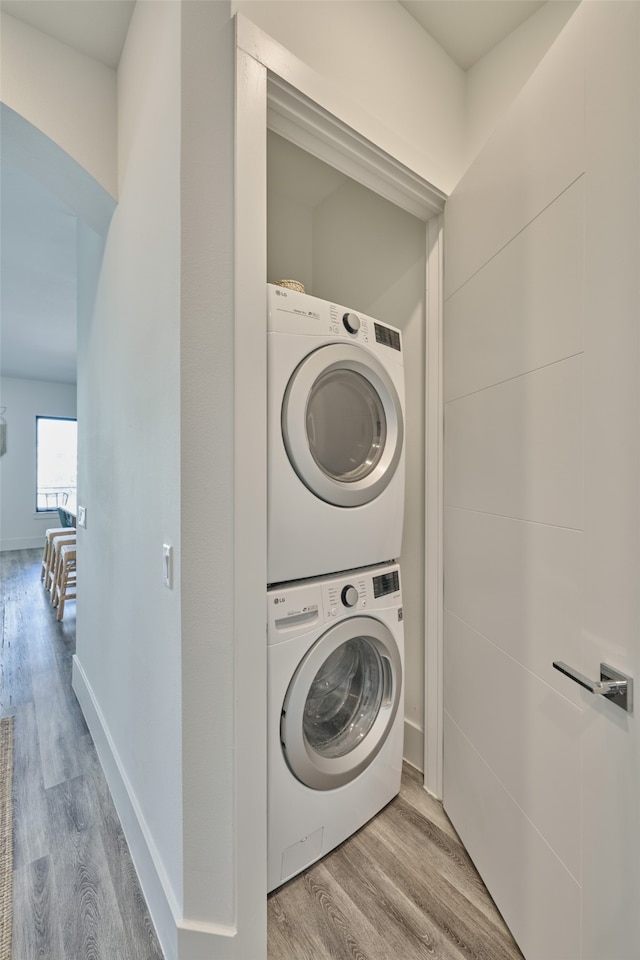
[
  {"x": 344, "y": 698},
  {"x": 346, "y": 425}
]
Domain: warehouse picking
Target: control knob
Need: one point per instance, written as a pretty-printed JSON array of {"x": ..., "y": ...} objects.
[
  {"x": 349, "y": 596},
  {"x": 351, "y": 322}
]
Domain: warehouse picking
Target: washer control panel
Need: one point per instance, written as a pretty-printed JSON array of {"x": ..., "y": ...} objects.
[
  {"x": 349, "y": 596},
  {"x": 296, "y": 607}
]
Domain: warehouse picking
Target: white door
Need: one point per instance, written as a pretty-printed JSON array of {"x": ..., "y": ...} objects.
[{"x": 542, "y": 492}]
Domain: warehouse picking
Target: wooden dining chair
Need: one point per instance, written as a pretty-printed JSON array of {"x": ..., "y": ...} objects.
[
  {"x": 65, "y": 585},
  {"x": 47, "y": 556},
  {"x": 54, "y": 570}
]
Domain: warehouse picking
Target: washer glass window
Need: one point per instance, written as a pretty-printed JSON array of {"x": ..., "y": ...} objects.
[
  {"x": 344, "y": 699},
  {"x": 346, "y": 425},
  {"x": 341, "y": 703}
]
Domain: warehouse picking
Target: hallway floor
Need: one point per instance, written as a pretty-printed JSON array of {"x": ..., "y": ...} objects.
[
  {"x": 402, "y": 888},
  {"x": 75, "y": 891}
]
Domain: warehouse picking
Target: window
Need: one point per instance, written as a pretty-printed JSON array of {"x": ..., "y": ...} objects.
[{"x": 56, "y": 461}]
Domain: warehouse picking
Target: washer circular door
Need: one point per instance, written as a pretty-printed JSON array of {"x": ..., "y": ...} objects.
[
  {"x": 341, "y": 703},
  {"x": 342, "y": 424}
]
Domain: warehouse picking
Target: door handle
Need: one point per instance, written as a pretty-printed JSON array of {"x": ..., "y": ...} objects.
[{"x": 615, "y": 686}]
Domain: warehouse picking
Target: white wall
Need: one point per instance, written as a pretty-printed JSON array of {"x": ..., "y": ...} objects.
[
  {"x": 378, "y": 57},
  {"x": 127, "y": 671},
  {"x": 496, "y": 79},
  {"x": 155, "y": 670},
  {"x": 20, "y": 527},
  {"x": 381, "y": 59},
  {"x": 69, "y": 97}
]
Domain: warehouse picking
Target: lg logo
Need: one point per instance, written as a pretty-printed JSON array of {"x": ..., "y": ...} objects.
[{"x": 279, "y": 599}]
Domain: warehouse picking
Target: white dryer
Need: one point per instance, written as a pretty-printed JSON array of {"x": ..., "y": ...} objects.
[
  {"x": 335, "y": 711},
  {"x": 335, "y": 437}
]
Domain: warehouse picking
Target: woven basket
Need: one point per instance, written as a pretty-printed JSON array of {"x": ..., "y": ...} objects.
[{"x": 291, "y": 285}]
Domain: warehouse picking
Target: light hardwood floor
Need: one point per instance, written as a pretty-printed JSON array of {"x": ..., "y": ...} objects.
[
  {"x": 402, "y": 888},
  {"x": 76, "y": 894}
]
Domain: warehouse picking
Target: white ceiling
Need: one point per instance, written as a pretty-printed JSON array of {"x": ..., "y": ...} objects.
[
  {"x": 467, "y": 29},
  {"x": 38, "y": 234},
  {"x": 95, "y": 27}
]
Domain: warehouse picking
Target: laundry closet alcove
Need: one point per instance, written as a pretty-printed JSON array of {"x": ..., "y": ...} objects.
[{"x": 339, "y": 212}]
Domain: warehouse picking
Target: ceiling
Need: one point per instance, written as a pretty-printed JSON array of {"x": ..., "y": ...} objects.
[
  {"x": 38, "y": 233},
  {"x": 95, "y": 27},
  {"x": 468, "y": 29}
]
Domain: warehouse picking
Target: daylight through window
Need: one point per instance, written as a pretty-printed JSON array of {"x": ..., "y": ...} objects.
[{"x": 56, "y": 461}]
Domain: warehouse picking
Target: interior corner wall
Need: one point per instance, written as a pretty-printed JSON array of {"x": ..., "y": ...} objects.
[
  {"x": 127, "y": 669},
  {"x": 495, "y": 80},
  {"x": 289, "y": 241},
  {"x": 387, "y": 280},
  {"x": 68, "y": 96},
  {"x": 375, "y": 53},
  {"x": 20, "y": 527}
]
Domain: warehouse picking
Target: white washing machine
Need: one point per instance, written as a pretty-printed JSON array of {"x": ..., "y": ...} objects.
[
  {"x": 335, "y": 437},
  {"x": 335, "y": 711}
]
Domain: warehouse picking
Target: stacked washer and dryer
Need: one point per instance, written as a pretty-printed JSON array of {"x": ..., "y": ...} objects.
[{"x": 335, "y": 629}]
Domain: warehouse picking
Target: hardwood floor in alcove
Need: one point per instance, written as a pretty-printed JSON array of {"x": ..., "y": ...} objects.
[{"x": 402, "y": 888}]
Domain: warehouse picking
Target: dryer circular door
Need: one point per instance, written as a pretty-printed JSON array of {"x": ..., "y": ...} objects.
[
  {"x": 342, "y": 425},
  {"x": 341, "y": 703}
]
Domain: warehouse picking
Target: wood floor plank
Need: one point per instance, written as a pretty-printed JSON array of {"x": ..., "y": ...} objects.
[
  {"x": 57, "y": 724},
  {"x": 412, "y": 790},
  {"x": 407, "y": 876},
  {"x": 405, "y": 930},
  {"x": 76, "y": 893},
  {"x": 130, "y": 900},
  {"x": 36, "y": 933},
  {"x": 90, "y": 919},
  {"x": 319, "y": 917},
  {"x": 469, "y": 929},
  {"x": 441, "y": 853},
  {"x": 15, "y": 673},
  {"x": 56, "y": 729},
  {"x": 30, "y": 813}
]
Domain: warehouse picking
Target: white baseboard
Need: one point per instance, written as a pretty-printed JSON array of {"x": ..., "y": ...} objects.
[
  {"x": 180, "y": 938},
  {"x": 22, "y": 543},
  {"x": 160, "y": 901},
  {"x": 413, "y": 744}
]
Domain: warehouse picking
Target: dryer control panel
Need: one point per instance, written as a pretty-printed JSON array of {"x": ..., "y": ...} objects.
[
  {"x": 292, "y": 607},
  {"x": 292, "y": 312}
]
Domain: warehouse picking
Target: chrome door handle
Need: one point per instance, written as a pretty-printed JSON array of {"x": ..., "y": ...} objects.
[{"x": 615, "y": 686}]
